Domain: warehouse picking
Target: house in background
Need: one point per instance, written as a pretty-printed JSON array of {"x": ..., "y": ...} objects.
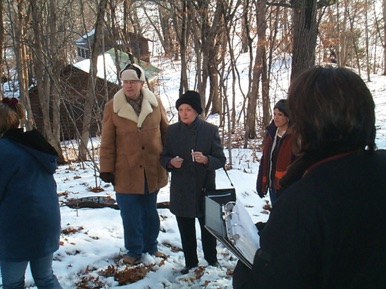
[
  {"x": 108, "y": 70},
  {"x": 74, "y": 85},
  {"x": 138, "y": 45}
]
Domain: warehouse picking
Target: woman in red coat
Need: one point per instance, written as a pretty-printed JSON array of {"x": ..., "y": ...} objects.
[{"x": 277, "y": 153}]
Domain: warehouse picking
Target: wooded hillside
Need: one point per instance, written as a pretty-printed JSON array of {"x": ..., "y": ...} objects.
[{"x": 207, "y": 37}]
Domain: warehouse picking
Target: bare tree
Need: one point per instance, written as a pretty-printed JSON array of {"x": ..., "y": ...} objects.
[
  {"x": 258, "y": 68},
  {"x": 162, "y": 26},
  {"x": 245, "y": 29},
  {"x": 180, "y": 23},
  {"x": 91, "y": 95},
  {"x": 384, "y": 36},
  {"x": 368, "y": 67},
  {"x": 43, "y": 28},
  {"x": 229, "y": 67},
  {"x": 304, "y": 35},
  {"x": 205, "y": 32},
  {"x": 18, "y": 20},
  {"x": 205, "y": 36},
  {"x": 305, "y": 28}
]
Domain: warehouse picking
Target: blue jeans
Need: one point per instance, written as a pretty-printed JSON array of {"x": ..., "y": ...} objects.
[
  {"x": 13, "y": 273},
  {"x": 141, "y": 222}
]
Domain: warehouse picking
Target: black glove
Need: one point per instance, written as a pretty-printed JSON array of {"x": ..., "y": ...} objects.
[
  {"x": 107, "y": 177},
  {"x": 261, "y": 194},
  {"x": 260, "y": 226}
]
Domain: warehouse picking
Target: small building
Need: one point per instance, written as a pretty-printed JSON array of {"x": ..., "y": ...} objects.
[
  {"x": 74, "y": 85},
  {"x": 137, "y": 45}
]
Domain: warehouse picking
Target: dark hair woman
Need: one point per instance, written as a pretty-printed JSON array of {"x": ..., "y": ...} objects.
[
  {"x": 328, "y": 229},
  {"x": 277, "y": 153}
]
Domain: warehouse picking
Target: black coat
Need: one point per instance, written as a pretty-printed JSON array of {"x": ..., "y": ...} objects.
[
  {"x": 327, "y": 231},
  {"x": 187, "y": 182}
]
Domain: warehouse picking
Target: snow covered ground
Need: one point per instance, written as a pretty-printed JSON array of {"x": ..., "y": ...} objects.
[{"x": 92, "y": 241}]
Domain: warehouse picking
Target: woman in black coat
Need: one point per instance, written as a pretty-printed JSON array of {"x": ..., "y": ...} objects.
[
  {"x": 328, "y": 229},
  {"x": 192, "y": 153}
]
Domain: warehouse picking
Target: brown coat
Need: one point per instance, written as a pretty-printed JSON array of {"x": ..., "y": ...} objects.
[{"x": 131, "y": 144}]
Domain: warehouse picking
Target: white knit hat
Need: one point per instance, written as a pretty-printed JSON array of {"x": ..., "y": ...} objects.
[{"x": 132, "y": 72}]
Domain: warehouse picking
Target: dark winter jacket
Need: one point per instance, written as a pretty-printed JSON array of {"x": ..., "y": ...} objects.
[
  {"x": 283, "y": 159},
  {"x": 327, "y": 231},
  {"x": 29, "y": 208},
  {"x": 187, "y": 182}
]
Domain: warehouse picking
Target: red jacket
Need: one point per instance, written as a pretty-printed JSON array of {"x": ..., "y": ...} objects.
[{"x": 284, "y": 158}]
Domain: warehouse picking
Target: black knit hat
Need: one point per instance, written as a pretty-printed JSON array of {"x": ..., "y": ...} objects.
[
  {"x": 192, "y": 98},
  {"x": 281, "y": 105}
]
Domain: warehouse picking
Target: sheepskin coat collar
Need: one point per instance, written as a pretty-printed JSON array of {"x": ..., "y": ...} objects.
[{"x": 123, "y": 109}]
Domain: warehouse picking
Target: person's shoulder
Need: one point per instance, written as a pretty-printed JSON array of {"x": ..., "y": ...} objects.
[
  {"x": 380, "y": 152},
  {"x": 208, "y": 125},
  {"x": 4, "y": 143},
  {"x": 210, "y": 128},
  {"x": 366, "y": 158},
  {"x": 9, "y": 149},
  {"x": 271, "y": 129},
  {"x": 109, "y": 103},
  {"x": 376, "y": 158}
]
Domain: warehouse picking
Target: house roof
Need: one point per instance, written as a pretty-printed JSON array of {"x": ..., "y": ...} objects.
[
  {"x": 87, "y": 39},
  {"x": 107, "y": 69}
]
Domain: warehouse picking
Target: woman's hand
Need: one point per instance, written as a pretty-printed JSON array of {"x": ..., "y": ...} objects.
[
  {"x": 200, "y": 158},
  {"x": 176, "y": 162}
]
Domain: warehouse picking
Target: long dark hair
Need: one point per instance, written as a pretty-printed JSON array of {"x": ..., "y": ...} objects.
[{"x": 331, "y": 111}]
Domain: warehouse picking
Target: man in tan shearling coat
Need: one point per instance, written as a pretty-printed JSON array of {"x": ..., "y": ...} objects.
[{"x": 133, "y": 133}]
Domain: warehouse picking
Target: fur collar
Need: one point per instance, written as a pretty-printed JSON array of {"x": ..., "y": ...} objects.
[{"x": 123, "y": 109}]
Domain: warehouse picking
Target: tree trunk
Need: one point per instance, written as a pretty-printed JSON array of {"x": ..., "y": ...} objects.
[
  {"x": 55, "y": 69},
  {"x": 258, "y": 67},
  {"x": 17, "y": 24},
  {"x": 304, "y": 35},
  {"x": 91, "y": 94},
  {"x": 180, "y": 27},
  {"x": 384, "y": 36},
  {"x": 368, "y": 66},
  {"x": 42, "y": 72},
  {"x": 206, "y": 47},
  {"x": 245, "y": 27}
]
